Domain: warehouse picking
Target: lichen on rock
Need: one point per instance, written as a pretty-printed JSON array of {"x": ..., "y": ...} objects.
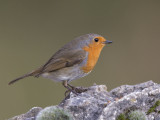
[{"x": 54, "y": 113}]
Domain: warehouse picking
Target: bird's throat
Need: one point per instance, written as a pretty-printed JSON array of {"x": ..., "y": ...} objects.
[{"x": 93, "y": 55}]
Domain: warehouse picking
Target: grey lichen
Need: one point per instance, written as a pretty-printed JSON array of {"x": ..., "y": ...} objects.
[
  {"x": 132, "y": 115},
  {"x": 137, "y": 115},
  {"x": 54, "y": 113}
]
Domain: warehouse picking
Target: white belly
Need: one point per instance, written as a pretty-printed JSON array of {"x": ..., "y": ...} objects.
[{"x": 68, "y": 73}]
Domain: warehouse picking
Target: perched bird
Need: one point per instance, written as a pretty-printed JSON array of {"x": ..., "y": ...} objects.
[{"x": 74, "y": 60}]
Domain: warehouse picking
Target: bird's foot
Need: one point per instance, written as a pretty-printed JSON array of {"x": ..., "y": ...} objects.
[
  {"x": 78, "y": 89},
  {"x": 75, "y": 90}
]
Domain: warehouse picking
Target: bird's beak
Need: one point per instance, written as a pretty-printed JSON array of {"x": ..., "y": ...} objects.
[{"x": 107, "y": 42}]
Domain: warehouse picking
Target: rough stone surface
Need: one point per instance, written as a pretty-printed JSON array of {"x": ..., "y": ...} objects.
[
  {"x": 98, "y": 104},
  {"x": 30, "y": 115}
]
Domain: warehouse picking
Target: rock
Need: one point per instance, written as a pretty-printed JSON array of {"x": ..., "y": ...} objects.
[
  {"x": 88, "y": 105},
  {"x": 98, "y": 104},
  {"x": 30, "y": 115}
]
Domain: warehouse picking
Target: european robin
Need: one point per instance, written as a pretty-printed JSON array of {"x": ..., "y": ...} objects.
[{"x": 74, "y": 60}]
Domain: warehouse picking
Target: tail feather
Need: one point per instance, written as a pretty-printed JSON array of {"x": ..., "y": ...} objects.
[{"x": 19, "y": 78}]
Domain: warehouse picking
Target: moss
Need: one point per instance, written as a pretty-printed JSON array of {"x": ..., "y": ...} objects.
[
  {"x": 121, "y": 117},
  {"x": 152, "y": 109},
  {"x": 54, "y": 113}
]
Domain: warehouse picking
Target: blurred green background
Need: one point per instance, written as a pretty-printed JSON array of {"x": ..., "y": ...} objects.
[{"x": 31, "y": 31}]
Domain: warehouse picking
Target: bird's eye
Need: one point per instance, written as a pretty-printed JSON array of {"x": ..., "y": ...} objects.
[{"x": 96, "y": 39}]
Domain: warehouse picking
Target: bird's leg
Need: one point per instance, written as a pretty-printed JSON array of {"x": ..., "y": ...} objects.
[
  {"x": 65, "y": 84},
  {"x": 73, "y": 88},
  {"x": 67, "y": 92}
]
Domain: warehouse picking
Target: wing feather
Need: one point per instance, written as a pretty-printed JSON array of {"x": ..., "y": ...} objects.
[{"x": 67, "y": 59}]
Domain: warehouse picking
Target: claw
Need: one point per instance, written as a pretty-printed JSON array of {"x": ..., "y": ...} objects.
[{"x": 80, "y": 90}]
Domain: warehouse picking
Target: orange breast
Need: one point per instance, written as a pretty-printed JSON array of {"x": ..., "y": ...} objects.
[{"x": 93, "y": 55}]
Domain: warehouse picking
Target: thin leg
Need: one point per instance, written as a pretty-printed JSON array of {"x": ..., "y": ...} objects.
[
  {"x": 67, "y": 92},
  {"x": 65, "y": 84},
  {"x": 71, "y": 86}
]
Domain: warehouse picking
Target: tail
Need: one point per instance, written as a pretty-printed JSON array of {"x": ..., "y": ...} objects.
[{"x": 24, "y": 76}]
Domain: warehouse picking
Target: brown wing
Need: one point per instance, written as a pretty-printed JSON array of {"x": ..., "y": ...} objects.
[{"x": 67, "y": 59}]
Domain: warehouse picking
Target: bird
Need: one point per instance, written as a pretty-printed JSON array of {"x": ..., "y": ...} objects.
[{"x": 74, "y": 60}]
